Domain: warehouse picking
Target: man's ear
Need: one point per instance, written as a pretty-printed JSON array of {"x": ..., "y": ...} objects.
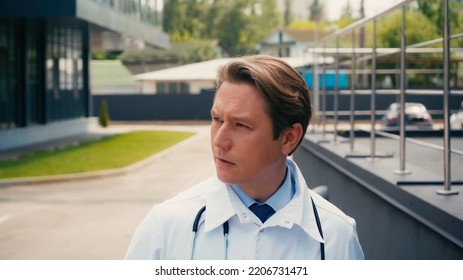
[{"x": 291, "y": 137}]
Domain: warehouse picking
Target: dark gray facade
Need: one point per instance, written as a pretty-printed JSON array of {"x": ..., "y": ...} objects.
[
  {"x": 44, "y": 63},
  {"x": 43, "y": 70}
]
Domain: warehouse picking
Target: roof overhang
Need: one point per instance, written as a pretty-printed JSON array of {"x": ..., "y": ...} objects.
[
  {"x": 206, "y": 70},
  {"x": 110, "y": 19},
  {"x": 88, "y": 11}
]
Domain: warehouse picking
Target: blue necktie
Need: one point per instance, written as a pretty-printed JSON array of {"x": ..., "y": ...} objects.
[{"x": 263, "y": 211}]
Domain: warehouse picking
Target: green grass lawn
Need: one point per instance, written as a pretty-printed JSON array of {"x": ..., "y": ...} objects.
[{"x": 107, "y": 153}]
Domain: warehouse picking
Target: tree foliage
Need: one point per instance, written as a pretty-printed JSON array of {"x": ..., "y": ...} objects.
[
  {"x": 178, "y": 53},
  {"x": 316, "y": 10},
  {"x": 434, "y": 11},
  {"x": 347, "y": 11},
  {"x": 239, "y": 25},
  {"x": 418, "y": 28},
  {"x": 103, "y": 116}
]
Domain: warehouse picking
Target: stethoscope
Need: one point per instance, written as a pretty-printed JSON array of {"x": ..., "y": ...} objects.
[{"x": 225, "y": 228}]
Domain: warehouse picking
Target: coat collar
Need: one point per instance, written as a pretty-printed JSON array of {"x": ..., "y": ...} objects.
[
  {"x": 222, "y": 204},
  {"x": 219, "y": 207}
]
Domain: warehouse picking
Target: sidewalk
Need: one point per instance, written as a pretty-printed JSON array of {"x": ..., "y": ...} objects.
[{"x": 94, "y": 218}]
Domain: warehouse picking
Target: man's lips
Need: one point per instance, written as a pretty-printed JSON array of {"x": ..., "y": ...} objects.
[{"x": 223, "y": 162}]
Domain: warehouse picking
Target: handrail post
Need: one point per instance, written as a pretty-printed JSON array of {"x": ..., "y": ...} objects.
[
  {"x": 352, "y": 95},
  {"x": 315, "y": 79},
  {"x": 324, "y": 96},
  {"x": 336, "y": 93},
  {"x": 373, "y": 99},
  {"x": 447, "y": 151},
  {"x": 402, "y": 170}
]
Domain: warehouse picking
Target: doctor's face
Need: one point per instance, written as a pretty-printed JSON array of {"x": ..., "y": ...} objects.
[{"x": 242, "y": 137}]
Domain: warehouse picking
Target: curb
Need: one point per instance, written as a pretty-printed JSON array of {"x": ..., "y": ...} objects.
[{"x": 39, "y": 180}]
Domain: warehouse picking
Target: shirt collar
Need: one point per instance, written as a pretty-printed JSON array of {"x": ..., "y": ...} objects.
[
  {"x": 278, "y": 200},
  {"x": 299, "y": 210}
]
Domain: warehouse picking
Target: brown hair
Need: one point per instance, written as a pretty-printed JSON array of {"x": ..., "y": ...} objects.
[{"x": 286, "y": 94}]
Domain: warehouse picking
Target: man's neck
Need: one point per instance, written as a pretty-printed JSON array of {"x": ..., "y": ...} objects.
[{"x": 263, "y": 188}]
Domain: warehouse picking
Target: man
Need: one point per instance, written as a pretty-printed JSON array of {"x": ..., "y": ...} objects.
[{"x": 259, "y": 116}]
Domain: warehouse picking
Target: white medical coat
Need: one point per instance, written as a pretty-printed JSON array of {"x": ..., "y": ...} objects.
[{"x": 291, "y": 233}]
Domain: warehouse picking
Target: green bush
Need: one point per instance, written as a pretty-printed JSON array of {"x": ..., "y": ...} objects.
[{"x": 103, "y": 117}]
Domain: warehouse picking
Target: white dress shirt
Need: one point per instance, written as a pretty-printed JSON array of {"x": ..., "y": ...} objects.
[
  {"x": 278, "y": 200},
  {"x": 291, "y": 233}
]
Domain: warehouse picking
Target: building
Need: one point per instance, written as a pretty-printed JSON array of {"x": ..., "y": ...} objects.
[
  {"x": 44, "y": 63},
  {"x": 194, "y": 78},
  {"x": 287, "y": 42}
]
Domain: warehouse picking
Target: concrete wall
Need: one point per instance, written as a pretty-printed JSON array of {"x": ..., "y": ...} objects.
[
  {"x": 362, "y": 101},
  {"x": 23, "y": 136},
  {"x": 156, "y": 107},
  {"x": 391, "y": 222}
]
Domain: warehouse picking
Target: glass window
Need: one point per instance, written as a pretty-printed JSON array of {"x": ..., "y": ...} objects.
[
  {"x": 184, "y": 88},
  {"x": 34, "y": 112},
  {"x": 65, "y": 69},
  {"x": 161, "y": 88},
  {"x": 172, "y": 88},
  {"x": 8, "y": 75}
]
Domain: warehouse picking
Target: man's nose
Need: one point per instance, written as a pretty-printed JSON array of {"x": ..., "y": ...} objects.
[{"x": 222, "y": 137}]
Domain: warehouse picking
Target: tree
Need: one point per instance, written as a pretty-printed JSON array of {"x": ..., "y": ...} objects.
[
  {"x": 239, "y": 24},
  {"x": 389, "y": 30},
  {"x": 178, "y": 53},
  {"x": 174, "y": 20},
  {"x": 103, "y": 117},
  {"x": 316, "y": 10},
  {"x": 262, "y": 21},
  {"x": 230, "y": 25},
  {"x": 346, "y": 11},
  {"x": 434, "y": 11},
  {"x": 287, "y": 13}
]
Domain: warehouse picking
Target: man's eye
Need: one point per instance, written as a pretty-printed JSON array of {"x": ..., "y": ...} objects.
[
  {"x": 241, "y": 125},
  {"x": 216, "y": 119}
]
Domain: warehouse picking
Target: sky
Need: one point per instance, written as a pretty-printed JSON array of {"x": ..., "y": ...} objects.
[{"x": 333, "y": 8}]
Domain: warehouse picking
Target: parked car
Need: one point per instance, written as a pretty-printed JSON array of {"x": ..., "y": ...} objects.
[
  {"x": 456, "y": 119},
  {"x": 416, "y": 115}
]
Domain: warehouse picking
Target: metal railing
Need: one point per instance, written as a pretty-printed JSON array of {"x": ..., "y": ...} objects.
[{"x": 353, "y": 55}]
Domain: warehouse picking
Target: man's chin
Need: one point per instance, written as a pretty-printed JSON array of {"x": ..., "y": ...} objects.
[{"x": 226, "y": 178}]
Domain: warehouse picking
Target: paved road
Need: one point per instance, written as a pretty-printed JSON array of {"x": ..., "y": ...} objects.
[{"x": 95, "y": 218}]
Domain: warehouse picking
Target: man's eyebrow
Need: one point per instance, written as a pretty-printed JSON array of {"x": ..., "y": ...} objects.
[
  {"x": 245, "y": 119},
  {"x": 236, "y": 118}
]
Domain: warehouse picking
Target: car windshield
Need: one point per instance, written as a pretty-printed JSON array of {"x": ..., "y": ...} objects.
[{"x": 409, "y": 107}]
